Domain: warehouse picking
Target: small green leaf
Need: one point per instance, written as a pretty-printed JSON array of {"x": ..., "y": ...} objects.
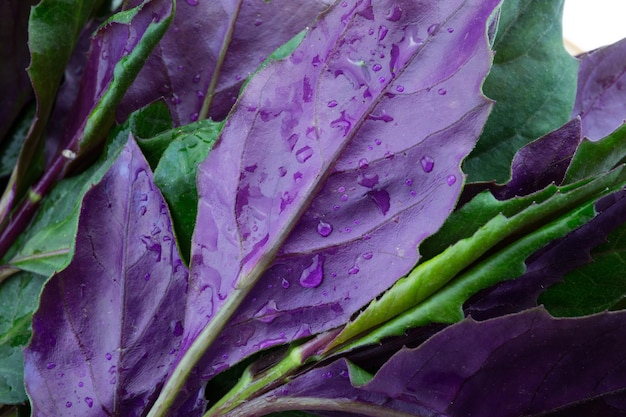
[
  {"x": 533, "y": 81},
  {"x": 175, "y": 176},
  {"x": 18, "y": 299},
  {"x": 594, "y": 158},
  {"x": 358, "y": 375}
]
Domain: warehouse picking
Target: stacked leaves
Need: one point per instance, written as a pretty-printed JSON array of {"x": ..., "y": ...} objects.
[{"x": 317, "y": 247}]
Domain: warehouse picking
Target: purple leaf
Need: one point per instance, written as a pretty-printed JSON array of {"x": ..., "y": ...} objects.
[
  {"x": 344, "y": 157},
  {"x": 108, "y": 326},
  {"x": 220, "y": 42},
  {"x": 528, "y": 364},
  {"x": 601, "y": 96}
]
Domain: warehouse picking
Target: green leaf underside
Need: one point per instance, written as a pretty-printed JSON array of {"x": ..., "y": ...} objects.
[
  {"x": 595, "y": 287},
  {"x": 428, "y": 280},
  {"x": 18, "y": 299},
  {"x": 533, "y": 81}
]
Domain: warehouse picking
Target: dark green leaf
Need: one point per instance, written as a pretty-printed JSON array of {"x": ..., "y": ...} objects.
[{"x": 533, "y": 81}]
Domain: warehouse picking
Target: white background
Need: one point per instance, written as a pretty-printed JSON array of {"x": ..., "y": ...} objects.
[{"x": 589, "y": 24}]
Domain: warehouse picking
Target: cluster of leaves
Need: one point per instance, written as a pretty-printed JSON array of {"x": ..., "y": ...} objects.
[{"x": 246, "y": 207}]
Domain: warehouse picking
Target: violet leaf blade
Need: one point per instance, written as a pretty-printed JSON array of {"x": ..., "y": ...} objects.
[
  {"x": 600, "y": 96},
  {"x": 192, "y": 68},
  {"x": 533, "y": 81},
  {"x": 18, "y": 298},
  {"x": 340, "y": 179},
  {"x": 109, "y": 325},
  {"x": 431, "y": 276},
  {"x": 527, "y": 364}
]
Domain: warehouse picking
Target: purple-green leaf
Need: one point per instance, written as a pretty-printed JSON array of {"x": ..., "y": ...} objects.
[
  {"x": 529, "y": 364},
  {"x": 210, "y": 49},
  {"x": 333, "y": 167},
  {"x": 109, "y": 326}
]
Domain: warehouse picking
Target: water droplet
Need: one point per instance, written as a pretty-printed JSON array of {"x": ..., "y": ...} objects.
[
  {"x": 304, "y": 153},
  {"x": 399, "y": 89},
  {"x": 89, "y": 401},
  {"x": 381, "y": 80},
  {"x": 381, "y": 199},
  {"x": 433, "y": 28},
  {"x": 142, "y": 210},
  {"x": 382, "y": 32},
  {"x": 378, "y": 142},
  {"x": 389, "y": 155},
  {"x": 313, "y": 275},
  {"x": 284, "y": 283},
  {"x": 336, "y": 208},
  {"x": 51, "y": 365},
  {"x": 442, "y": 91},
  {"x": 363, "y": 163},
  {"x": 297, "y": 177},
  {"x": 367, "y": 180},
  {"x": 193, "y": 117},
  {"x": 282, "y": 171},
  {"x": 324, "y": 229},
  {"x": 368, "y": 255},
  {"x": 377, "y": 67},
  {"x": 196, "y": 79},
  {"x": 412, "y": 193},
  {"x": 68, "y": 404},
  {"x": 81, "y": 384},
  {"x": 108, "y": 356},
  {"x": 408, "y": 182},
  {"x": 342, "y": 123},
  {"x": 332, "y": 103},
  {"x": 427, "y": 163},
  {"x": 450, "y": 30},
  {"x": 451, "y": 179},
  {"x": 370, "y": 148},
  {"x": 267, "y": 313},
  {"x": 192, "y": 2},
  {"x": 348, "y": 229},
  {"x": 146, "y": 277},
  {"x": 341, "y": 189},
  {"x": 258, "y": 22},
  {"x": 393, "y": 15},
  {"x": 175, "y": 99},
  {"x": 344, "y": 197},
  {"x": 354, "y": 270}
]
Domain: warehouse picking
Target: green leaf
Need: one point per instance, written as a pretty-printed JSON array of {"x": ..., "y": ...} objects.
[
  {"x": 596, "y": 286},
  {"x": 594, "y": 158},
  {"x": 358, "y": 375},
  {"x": 175, "y": 176},
  {"x": 533, "y": 81},
  {"x": 18, "y": 299},
  {"x": 45, "y": 247},
  {"x": 428, "y": 280}
]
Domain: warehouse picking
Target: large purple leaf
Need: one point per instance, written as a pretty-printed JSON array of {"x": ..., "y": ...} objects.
[
  {"x": 528, "y": 364},
  {"x": 601, "y": 94},
  {"x": 211, "y": 48},
  {"x": 336, "y": 163},
  {"x": 109, "y": 325}
]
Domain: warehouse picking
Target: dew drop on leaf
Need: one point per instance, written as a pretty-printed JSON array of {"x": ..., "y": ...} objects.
[
  {"x": 313, "y": 275},
  {"x": 324, "y": 229},
  {"x": 284, "y": 283},
  {"x": 368, "y": 255},
  {"x": 89, "y": 401},
  {"x": 68, "y": 404},
  {"x": 282, "y": 171},
  {"x": 354, "y": 270},
  {"x": 433, "y": 28},
  {"x": 303, "y": 154},
  {"x": 363, "y": 163},
  {"x": 51, "y": 365},
  {"x": 442, "y": 91},
  {"x": 108, "y": 356},
  {"x": 192, "y": 2},
  {"x": 427, "y": 163},
  {"x": 451, "y": 179},
  {"x": 332, "y": 103}
]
